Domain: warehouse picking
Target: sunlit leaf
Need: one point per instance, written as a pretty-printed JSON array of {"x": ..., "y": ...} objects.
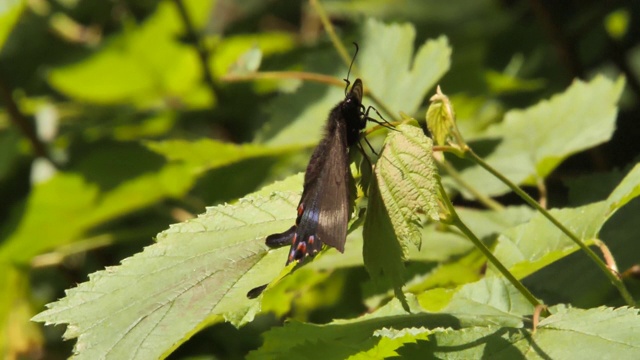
[
  {"x": 440, "y": 117},
  {"x": 402, "y": 86},
  {"x": 407, "y": 177},
  {"x": 538, "y": 243},
  {"x": 392, "y": 71},
  {"x": 595, "y": 333},
  {"x": 253, "y": 47},
  {"x": 199, "y": 272},
  {"x": 405, "y": 186},
  {"x": 206, "y": 154},
  {"x": 143, "y": 66},
  {"x": 531, "y": 143}
]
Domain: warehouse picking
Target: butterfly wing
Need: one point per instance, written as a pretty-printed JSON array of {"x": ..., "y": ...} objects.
[
  {"x": 323, "y": 210},
  {"x": 334, "y": 203}
]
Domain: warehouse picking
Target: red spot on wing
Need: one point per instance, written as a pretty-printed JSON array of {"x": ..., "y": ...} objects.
[{"x": 302, "y": 248}]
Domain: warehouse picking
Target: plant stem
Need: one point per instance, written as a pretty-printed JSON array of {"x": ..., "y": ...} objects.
[
  {"x": 457, "y": 222},
  {"x": 617, "y": 282},
  {"x": 22, "y": 123},
  {"x": 344, "y": 54},
  {"x": 487, "y": 201},
  {"x": 301, "y": 75},
  {"x": 279, "y": 75},
  {"x": 203, "y": 53},
  {"x": 328, "y": 27}
]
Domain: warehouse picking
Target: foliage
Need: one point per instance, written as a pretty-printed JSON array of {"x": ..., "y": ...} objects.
[{"x": 115, "y": 126}]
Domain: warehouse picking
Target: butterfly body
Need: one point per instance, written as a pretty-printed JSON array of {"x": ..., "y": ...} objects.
[{"x": 323, "y": 211}]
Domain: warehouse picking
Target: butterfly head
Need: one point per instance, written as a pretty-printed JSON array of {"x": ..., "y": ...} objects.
[{"x": 352, "y": 104}]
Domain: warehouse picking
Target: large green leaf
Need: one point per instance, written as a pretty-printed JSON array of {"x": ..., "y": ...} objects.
[
  {"x": 408, "y": 179},
  {"x": 529, "y": 247},
  {"x": 67, "y": 196},
  {"x": 405, "y": 185},
  {"x": 600, "y": 333},
  {"x": 531, "y": 143},
  {"x": 391, "y": 71},
  {"x": 394, "y": 76},
  {"x": 336, "y": 340},
  {"x": 483, "y": 319},
  {"x": 489, "y": 302},
  {"x": 199, "y": 272},
  {"x": 383, "y": 254},
  {"x": 142, "y": 66},
  {"x": 206, "y": 154}
]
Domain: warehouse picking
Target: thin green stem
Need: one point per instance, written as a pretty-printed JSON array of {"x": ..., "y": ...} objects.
[
  {"x": 342, "y": 51},
  {"x": 487, "y": 201},
  {"x": 280, "y": 75},
  {"x": 203, "y": 52},
  {"x": 21, "y": 122},
  {"x": 617, "y": 282},
  {"x": 457, "y": 222}
]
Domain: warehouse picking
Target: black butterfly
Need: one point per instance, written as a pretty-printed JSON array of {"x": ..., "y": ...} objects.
[{"x": 323, "y": 211}]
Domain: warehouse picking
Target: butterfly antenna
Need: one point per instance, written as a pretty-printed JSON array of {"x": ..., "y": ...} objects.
[{"x": 349, "y": 72}]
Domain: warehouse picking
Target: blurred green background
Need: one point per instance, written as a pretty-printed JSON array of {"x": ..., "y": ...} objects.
[{"x": 85, "y": 84}]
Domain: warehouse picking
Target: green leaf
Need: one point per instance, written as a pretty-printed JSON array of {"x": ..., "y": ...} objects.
[
  {"x": 66, "y": 196},
  {"x": 298, "y": 119},
  {"x": 627, "y": 190},
  {"x": 247, "y": 63},
  {"x": 489, "y": 302},
  {"x": 531, "y": 143},
  {"x": 484, "y": 319},
  {"x": 206, "y": 154},
  {"x": 575, "y": 279},
  {"x": 441, "y": 243},
  {"x": 143, "y": 66},
  {"x": 382, "y": 252},
  {"x": 248, "y": 47},
  {"x": 391, "y": 71},
  {"x": 440, "y": 117},
  {"x": 538, "y": 243},
  {"x": 408, "y": 178},
  {"x": 501, "y": 83},
  {"x": 391, "y": 340},
  {"x": 339, "y": 339},
  {"x": 593, "y": 334},
  {"x": 399, "y": 87},
  {"x": 529, "y": 247},
  {"x": 404, "y": 186},
  {"x": 197, "y": 273}
]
